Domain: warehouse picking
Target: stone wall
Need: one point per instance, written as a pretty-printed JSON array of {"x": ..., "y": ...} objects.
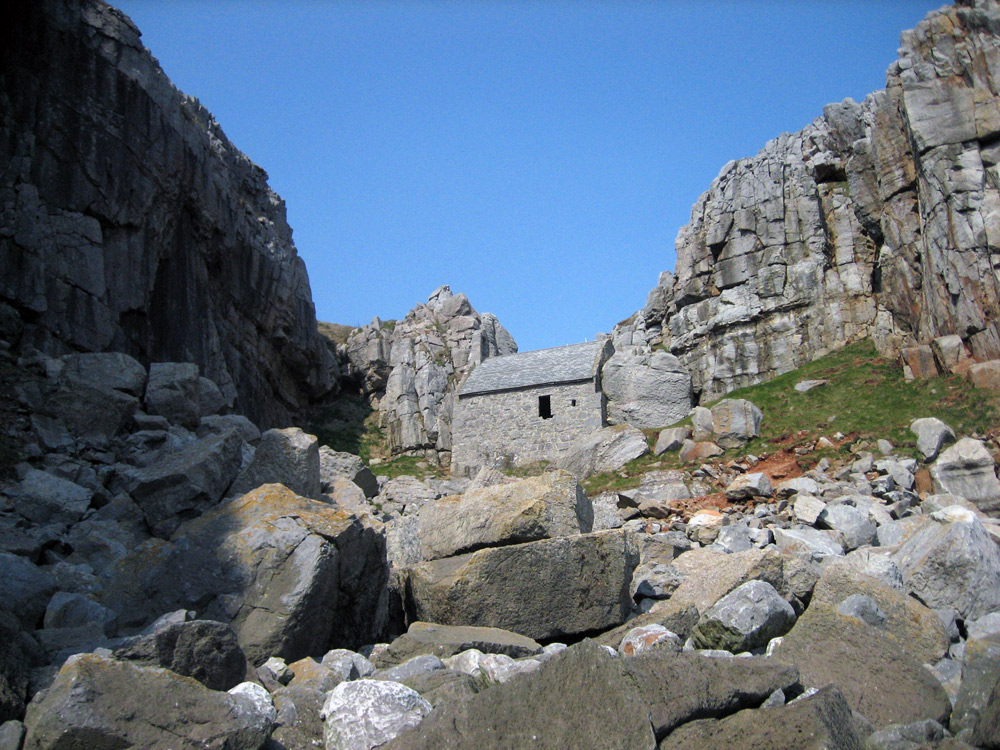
[
  {"x": 130, "y": 223},
  {"x": 505, "y": 429},
  {"x": 879, "y": 219}
]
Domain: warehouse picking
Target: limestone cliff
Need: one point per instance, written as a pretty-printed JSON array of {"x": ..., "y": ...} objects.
[
  {"x": 130, "y": 222},
  {"x": 879, "y": 219},
  {"x": 410, "y": 369}
]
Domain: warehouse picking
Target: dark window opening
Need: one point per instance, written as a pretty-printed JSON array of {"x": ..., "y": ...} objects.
[
  {"x": 572, "y": 402},
  {"x": 545, "y": 407}
]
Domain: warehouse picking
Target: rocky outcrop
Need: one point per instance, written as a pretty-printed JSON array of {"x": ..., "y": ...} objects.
[
  {"x": 130, "y": 223},
  {"x": 410, "y": 369},
  {"x": 878, "y": 220}
]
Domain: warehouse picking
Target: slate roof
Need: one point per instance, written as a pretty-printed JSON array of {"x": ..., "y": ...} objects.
[{"x": 561, "y": 364}]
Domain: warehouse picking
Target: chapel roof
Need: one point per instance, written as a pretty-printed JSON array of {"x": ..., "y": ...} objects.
[{"x": 558, "y": 365}]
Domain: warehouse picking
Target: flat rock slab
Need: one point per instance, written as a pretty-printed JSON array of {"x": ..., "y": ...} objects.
[
  {"x": 541, "y": 507},
  {"x": 876, "y": 675},
  {"x": 822, "y": 721},
  {"x": 543, "y": 589},
  {"x": 97, "y": 702},
  {"x": 447, "y": 640},
  {"x": 604, "y": 450},
  {"x": 582, "y": 699}
]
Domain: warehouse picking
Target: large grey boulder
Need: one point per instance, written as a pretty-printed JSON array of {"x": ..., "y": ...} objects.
[
  {"x": 853, "y": 526},
  {"x": 534, "y": 508},
  {"x": 815, "y": 543},
  {"x": 647, "y": 391},
  {"x": 205, "y": 650},
  {"x": 293, "y": 576},
  {"x": 678, "y": 688},
  {"x": 968, "y": 470},
  {"x": 932, "y": 435},
  {"x": 91, "y": 412},
  {"x": 980, "y": 677},
  {"x": 98, "y": 702},
  {"x": 334, "y": 464},
  {"x": 879, "y": 679},
  {"x": 604, "y": 450},
  {"x": 185, "y": 482},
  {"x": 543, "y": 589},
  {"x": 107, "y": 370},
  {"x": 952, "y": 562},
  {"x": 822, "y": 720},
  {"x": 172, "y": 391},
  {"x": 43, "y": 498},
  {"x": 19, "y": 653},
  {"x": 447, "y": 640},
  {"x": 365, "y": 714},
  {"x": 543, "y": 710},
  {"x": 25, "y": 588},
  {"x": 289, "y": 457},
  {"x": 917, "y": 628},
  {"x": 735, "y": 421},
  {"x": 744, "y": 619}
]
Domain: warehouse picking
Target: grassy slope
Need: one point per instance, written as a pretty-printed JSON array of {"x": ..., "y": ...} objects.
[{"x": 865, "y": 398}]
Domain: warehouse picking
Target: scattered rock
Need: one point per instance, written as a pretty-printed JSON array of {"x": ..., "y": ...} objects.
[
  {"x": 804, "y": 386},
  {"x": 447, "y": 640},
  {"x": 747, "y": 486},
  {"x": 671, "y": 439},
  {"x": 932, "y": 435},
  {"x": 967, "y": 469},
  {"x": 745, "y": 619},
  {"x": 333, "y": 464},
  {"x": 735, "y": 421}
]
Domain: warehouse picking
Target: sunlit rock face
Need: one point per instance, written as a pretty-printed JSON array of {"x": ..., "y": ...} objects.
[
  {"x": 879, "y": 219},
  {"x": 130, "y": 222},
  {"x": 411, "y": 369}
]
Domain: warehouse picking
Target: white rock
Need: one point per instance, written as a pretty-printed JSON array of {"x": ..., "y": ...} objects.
[{"x": 365, "y": 714}]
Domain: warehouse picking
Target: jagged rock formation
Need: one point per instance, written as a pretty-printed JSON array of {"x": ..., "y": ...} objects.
[
  {"x": 130, "y": 223},
  {"x": 879, "y": 219},
  {"x": 411, "y": 369}
]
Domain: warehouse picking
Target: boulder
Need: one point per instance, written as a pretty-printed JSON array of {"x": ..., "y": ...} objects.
[
  {"x": 744, "y": 619},
  {"x": 334, "y": 464},
  {"x": 980, "y": 676},
  {"x": 691, "y": 451},
  {"x": 748, "y": 486},
  {"x": 822, "y": 720},
  {"x": 879, "y": 679},
  {"x": 986, "y": 374},
  {"x": 210, "y": 398},
  {"x": 671, "y": 439},
  {"x": 542, "y": 507},
  {"x": 853, "y": 526},
  {"x": 932, "y": 435},
  {"x": 808, "y": 508},
  {"x": 678, "y": 688},
  {"x": 70, "y": 610},
  {"x": 92, "y": 412},
  {"x": 183, "y": 483},
  {"x": 420, "y": 664},
  {"x": 289, "y": 457},
  {"x": 369, "y": 713},
  {"x": 25, "y": 588},
  {"x": 444, "y": 686},
  {"x": 967, "y": 469},
  {"x": 918, "y": 362},
  {"x": 205, "y": 650},
  {"x": 646, "y": 637},
  {"x": 863, "y": 608},
  {"x": 949, "y": 351},
  {"x": 43, "y": 498},
  {"x": 447, "y": 640},
  {"x": 703, "y": 429},
  {"x": 172, "y": 391},
  {"x": 814, "y": 543},
  {"x": 543, "y": 589},
  {"x": 18, "y": 655},
  {"x": 916, "y": 627},
  {"x": 951, "y": 562},
  {"x": 603, "y": 450},
  {"x": 735, "y": 422},
  {"x": 292, "y": 575},
  {"x": 98, "y": 702},
  {"x": 543, "y": 710},
  {"x": 106, "y": 370},
  {"x": 647, "y": 391}
]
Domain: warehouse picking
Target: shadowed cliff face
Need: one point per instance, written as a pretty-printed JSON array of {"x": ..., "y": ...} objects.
[
  {"x": 879, "y": 219},
  {"x": 130, "y": 222}
]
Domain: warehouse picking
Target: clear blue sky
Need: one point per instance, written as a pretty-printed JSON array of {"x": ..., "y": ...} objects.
[{"x": 538, "y": 156}]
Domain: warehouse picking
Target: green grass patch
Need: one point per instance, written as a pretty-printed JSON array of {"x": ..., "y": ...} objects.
[
  {"x": 349, "y": 424},
  {"x": 407, "y": 465},
  {"x": 866, "y": 395}
]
